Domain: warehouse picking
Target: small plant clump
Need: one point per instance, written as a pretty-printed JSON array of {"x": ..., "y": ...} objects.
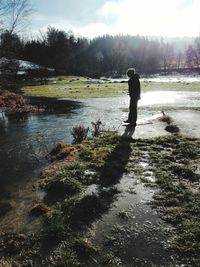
[
  {"x": 96, "y": 128},
  {"x": 55, "y": 227},
  {"x": 165, "y": 118},
  {"x": 112, "y": 261},
  {"x": 12, "y": 102},
  {"x": 172, "y": 128},
  {"x": 62, "y": 184},
  {"x": 84, "y": 210},
  {"x": 61, "y": 151},
  {"x": 67, "y": 258},
  {"x": 79, "y": 133},
  {"x": 39, "y": 208},
  {"x": 123, "y": 214},
  {"x": 15, "y": 105},
  {"x": 84, "y": 248}
]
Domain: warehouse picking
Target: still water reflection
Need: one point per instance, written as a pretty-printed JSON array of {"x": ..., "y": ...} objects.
[{"x": 24, "y": 144}]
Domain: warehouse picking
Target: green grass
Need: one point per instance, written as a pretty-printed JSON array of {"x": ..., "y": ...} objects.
[
  {"x": 79, "y": 87},
  {"x": 171, "y": 159},
  {"x": 75, "y": 87},
  {"x": 171, "y": 86},
  {"x": 177, "y": 200}
]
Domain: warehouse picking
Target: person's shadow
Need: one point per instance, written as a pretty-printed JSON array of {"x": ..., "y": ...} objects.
[
  {"x": 129, "y": 131},
  {"x": 115, "y": 164}
]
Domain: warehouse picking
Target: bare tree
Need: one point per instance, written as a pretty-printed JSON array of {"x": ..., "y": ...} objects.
[
  {"x": 197, "y": 46},
  {"x": 179, "y": 59},
  {"x": 167, "y": 56},
  {"x": 14, "y": 14},
  {"x": 2, "y": 12},
  {"x": 192, "y": 60}
]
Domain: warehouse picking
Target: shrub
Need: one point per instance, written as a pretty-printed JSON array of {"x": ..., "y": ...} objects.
[
  {"x": 82, "y": 212},
  {"x": 39, "y": 209},
  {"x": 96, "y": 128},
  {"x": 66, "y": 258},
  {"x": 61, "y": 185},
  {"x": 79, "y": 133},
  {"x": 84, "y": 248}
]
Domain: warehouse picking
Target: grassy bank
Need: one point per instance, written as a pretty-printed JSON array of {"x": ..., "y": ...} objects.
[
  {"x": 70, "y": 207},
  {"x": 75, "y": 87},
  {"x": 79, "y": 87}
]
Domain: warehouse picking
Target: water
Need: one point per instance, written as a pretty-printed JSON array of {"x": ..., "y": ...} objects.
[
  {"x": 165, "y": 78},
  {"x": 24, "y": 144},
  {"x": 182, "y": 98},
  {"x": 140, "y": 238},
  {"x": 23, "y": 147},
  {"x": 174, "y": 78}
]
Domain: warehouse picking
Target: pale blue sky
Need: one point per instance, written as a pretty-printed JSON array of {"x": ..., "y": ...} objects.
[{"x": 96, "y": 17}]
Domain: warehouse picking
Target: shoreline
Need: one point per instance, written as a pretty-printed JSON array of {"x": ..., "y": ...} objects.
[{"x": 107, "y": 155}]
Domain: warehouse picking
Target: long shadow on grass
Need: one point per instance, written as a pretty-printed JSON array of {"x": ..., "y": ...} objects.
[
  {"x": 76, "y": 212},
  {"x": 115, "y": 164},
  {"x": 90, "y": 207}
]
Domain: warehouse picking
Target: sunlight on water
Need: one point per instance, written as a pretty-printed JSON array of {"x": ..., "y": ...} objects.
[
  {"x": 173, "y": 78},
  {"x": 158, "y": 78},
  {"x": 169, "y": 97},
  {"x": 155, "y": 98}
]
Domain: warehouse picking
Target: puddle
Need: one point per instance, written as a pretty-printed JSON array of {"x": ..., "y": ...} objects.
[
  {"x": 21, "y": 198},
  {"x": 187, "y": 121},
  {"x": 131, "y": 230}
]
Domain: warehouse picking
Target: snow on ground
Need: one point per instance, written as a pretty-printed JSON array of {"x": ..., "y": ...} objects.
[
  {"x": 186, "y": 78},
  {"x": 25, "y": 65}
]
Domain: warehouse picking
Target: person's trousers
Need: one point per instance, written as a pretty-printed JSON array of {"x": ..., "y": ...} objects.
[{"x": 132, "y": 117}]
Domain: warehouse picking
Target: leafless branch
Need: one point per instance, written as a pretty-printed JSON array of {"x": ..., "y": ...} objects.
[{"x": 15, "y": 14}]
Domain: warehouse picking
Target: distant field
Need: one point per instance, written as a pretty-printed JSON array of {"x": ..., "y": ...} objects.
[{"x": 79, "y": 87}]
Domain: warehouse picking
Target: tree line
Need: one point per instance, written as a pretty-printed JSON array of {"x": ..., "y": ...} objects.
[{"x": 104, "y": 55}]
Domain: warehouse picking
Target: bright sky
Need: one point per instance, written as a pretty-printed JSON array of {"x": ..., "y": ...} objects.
[{"x": 90, "y": 18}]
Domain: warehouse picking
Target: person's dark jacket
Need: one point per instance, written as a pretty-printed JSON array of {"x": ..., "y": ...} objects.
[{"x": 134, "y": 87}]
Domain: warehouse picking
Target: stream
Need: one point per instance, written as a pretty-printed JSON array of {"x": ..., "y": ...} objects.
[{"x": 25, "y": 144}]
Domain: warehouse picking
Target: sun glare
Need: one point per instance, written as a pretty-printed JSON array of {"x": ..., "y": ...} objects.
[{"x": 161, "y": 18}]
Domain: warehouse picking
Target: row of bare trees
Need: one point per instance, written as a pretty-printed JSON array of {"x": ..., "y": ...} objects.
[
  {"x": 105, "y": 55},
  {"x": 108, "y": 55}
]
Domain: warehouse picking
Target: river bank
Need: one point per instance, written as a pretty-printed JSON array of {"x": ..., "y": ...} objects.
[
  {"x": 123, "y": 183},
  {"x": 74, "y": 87},
  {"x": 101, "y": 196}
]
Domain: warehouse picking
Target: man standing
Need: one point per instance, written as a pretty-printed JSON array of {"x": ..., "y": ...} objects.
[{"x": 134, "y": 93}]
